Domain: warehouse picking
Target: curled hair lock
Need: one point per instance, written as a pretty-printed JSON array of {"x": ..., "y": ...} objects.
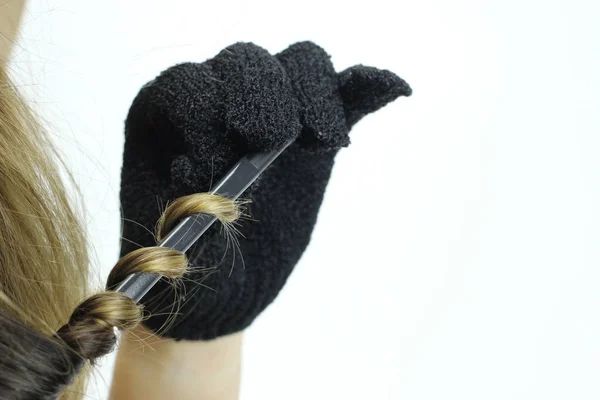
[{"x": 90, "y": 332}]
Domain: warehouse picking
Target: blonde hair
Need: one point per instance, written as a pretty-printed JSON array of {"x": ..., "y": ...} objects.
[
  {"x": 43, "y": 253},
  {"x": 49, "y": 329}
]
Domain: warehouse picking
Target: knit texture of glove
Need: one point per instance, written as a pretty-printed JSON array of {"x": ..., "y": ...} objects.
[{"x": 188, "y": 126}]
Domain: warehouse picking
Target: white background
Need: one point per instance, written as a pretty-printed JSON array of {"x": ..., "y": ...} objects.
[{"x": 456, "y": 255}]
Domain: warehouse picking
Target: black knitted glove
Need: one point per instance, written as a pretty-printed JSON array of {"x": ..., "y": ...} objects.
[{"x": 193, "y": 122}]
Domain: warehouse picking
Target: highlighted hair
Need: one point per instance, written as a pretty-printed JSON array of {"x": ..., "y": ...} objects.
[{"x": 50, "y": 329}]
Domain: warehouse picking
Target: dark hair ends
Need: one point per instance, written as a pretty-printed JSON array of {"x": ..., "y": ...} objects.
[{"x": 33, "y": 366}]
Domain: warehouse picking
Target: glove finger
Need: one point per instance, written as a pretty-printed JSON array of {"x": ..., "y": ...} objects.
[{"x": 188, "y": 126}]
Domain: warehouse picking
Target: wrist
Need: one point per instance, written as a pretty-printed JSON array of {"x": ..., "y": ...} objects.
[{"x": 152, "y": 367}]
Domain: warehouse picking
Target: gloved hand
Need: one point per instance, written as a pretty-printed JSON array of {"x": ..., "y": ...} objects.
[{"x": 193, "y": 122}]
